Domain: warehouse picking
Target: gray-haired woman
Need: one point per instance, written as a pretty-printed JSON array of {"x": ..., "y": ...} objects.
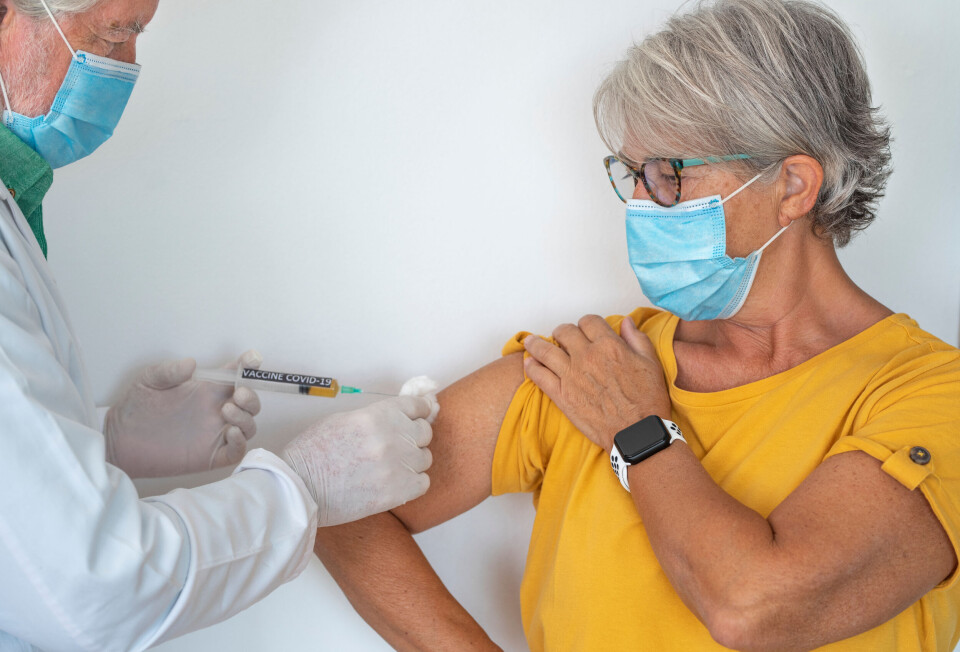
[{"x": 813, "y": 496}]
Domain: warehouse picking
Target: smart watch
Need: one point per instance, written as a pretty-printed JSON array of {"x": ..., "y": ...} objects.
[{"x": 643, "y": 439}]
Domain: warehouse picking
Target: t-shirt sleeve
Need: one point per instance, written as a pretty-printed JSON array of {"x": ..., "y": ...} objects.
[
  {"x": 912, "y": 427},
  {"x": 520, "y": 457},
  {"x": 532, "y": 426}
]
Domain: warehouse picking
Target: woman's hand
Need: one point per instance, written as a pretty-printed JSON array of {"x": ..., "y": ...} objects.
[{"x": 601, "y": 381}]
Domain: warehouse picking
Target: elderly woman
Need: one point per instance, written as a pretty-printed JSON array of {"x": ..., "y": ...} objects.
[{"x": 813, "y": 496}]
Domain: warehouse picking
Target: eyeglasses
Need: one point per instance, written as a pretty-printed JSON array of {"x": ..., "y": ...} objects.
[{"x": 660, "y": 176}]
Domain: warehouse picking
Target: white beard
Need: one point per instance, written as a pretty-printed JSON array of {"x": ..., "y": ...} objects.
[{"x": 24, "y": 73}]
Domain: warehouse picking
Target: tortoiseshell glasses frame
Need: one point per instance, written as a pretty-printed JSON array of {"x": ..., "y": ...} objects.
[{"x": 661, "y": 177}]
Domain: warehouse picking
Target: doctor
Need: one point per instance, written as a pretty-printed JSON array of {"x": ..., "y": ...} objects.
[{"x": 85, "y": 564}]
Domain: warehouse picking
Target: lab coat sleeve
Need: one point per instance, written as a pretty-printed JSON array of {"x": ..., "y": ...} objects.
[
  {"x": 248, "y": 534},
  {"x": 85, "y": 564}
]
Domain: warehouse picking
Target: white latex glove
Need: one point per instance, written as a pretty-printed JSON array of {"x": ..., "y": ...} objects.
[
  {"x": 366, "y": 461},
  {"x": 169, "y": 424}
]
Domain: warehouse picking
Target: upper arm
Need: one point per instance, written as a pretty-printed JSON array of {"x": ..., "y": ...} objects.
[
  {"x": 856, "y": 546},
  {"x": 464, "y": 441}
]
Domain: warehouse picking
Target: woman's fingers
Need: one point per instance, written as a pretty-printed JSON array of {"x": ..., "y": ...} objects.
[
  {"x": 543, "y": 378},
  {"x": 638, "y": 342},
  {"x": 595, "y": 327},
  {"x": 547, "y": 354}
]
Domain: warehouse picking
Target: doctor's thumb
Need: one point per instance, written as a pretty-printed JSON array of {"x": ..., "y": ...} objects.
[{"x": 169, "y": 374}]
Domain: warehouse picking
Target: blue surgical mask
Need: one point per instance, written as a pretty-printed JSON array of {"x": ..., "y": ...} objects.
[
  {"x": 679, "y": 257},
  {"x": 85, "y": 111}
]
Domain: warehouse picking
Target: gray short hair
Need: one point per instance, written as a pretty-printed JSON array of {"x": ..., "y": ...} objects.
[
  {"x": 769, "y": 78},
  {"x": 34, "y": 8}
]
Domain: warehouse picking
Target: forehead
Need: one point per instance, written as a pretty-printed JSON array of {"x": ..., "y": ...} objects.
[{"x": 132, "y": 15}]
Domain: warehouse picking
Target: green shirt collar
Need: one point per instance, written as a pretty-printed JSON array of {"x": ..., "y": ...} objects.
[{"x": 28, "y": 177}]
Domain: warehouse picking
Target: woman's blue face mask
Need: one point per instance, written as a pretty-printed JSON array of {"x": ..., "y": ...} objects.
[
  {"x": 85, "y": 111},
  {"x": 679, "y": 257}
]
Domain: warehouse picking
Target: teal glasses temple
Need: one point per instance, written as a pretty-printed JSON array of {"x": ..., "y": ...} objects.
[{"x": 690, "y": 162}]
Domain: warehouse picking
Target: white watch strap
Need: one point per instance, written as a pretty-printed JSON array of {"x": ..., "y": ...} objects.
[
  {"x": 620, "y": 465},
  {"x": 674, "y": 431}
]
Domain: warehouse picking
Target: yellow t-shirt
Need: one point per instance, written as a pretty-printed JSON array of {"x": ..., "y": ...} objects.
[{"x": 592, "y": 581}]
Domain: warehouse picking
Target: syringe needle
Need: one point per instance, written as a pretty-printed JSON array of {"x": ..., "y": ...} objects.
[{"x": 344, "y": 389}]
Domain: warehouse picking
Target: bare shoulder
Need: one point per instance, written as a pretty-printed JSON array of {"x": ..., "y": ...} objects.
[{"x": 464, "y": 441}]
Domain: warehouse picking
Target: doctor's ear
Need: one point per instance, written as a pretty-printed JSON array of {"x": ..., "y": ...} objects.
[
  {"x": 802, "y": 177},
  {"x": 5, "y": 13}
]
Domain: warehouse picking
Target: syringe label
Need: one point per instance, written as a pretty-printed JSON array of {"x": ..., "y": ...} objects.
[{"x": 290, "y": 379}]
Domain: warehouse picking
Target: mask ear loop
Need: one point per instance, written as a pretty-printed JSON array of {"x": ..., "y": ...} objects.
[
  {"x": 6, "y": 100},
  {"x": 57, "y": 25},
  {"x": 775, "y": 236},
  {"x": 743, "y": 187}
]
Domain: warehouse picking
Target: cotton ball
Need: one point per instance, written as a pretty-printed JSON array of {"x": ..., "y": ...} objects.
[{"x": 426, "y": 387}]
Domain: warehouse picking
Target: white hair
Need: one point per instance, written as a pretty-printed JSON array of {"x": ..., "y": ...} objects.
[
  {"x": 768, "y": 78},
  {"x": 34, "y": 8}
]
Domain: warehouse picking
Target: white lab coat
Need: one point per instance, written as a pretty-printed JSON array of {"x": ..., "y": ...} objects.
[{"x": 85, "y": 564}]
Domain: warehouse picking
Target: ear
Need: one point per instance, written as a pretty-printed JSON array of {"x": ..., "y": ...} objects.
[
  {"x": 7, "y": 12},
  {"x": 801, "y": 177}
]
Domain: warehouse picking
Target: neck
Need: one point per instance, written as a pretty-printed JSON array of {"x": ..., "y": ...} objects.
[{"x": 801, "y": 304}]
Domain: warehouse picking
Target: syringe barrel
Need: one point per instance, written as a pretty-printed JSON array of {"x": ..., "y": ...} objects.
[
  {"x": 291, "y": 383},
  {"x": 271, "y": 381},
  {"x": 219, "y": 376}
]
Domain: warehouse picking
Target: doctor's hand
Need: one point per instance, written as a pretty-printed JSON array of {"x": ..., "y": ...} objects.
[
  {"x": 602, "y": 382},
  {"x": 367, "y": 461},
  {"x": 169, "y": 424}
]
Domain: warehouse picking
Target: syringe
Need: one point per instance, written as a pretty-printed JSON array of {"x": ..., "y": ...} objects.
[{"x": 278, "y": 381}]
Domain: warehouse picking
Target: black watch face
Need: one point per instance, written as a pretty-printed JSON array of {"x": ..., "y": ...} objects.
[{"x": 642, "y": 439}]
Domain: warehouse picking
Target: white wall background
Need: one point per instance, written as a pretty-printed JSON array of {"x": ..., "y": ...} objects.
[{"x": 375, "y": 190}]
